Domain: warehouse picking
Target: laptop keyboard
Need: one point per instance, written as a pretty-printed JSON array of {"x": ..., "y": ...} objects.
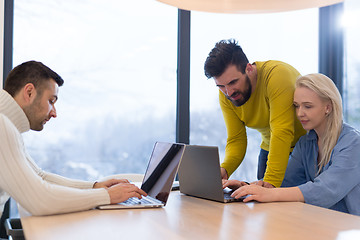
[
  {"x": 134, "y": 201},
  {"x": 228, "y": 195}
]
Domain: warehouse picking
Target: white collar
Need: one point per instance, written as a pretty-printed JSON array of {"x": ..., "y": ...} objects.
[{"x": 12, "y": 110}]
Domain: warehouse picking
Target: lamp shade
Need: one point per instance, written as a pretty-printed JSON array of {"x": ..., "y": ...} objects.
[{"x": 247, "y": 6}]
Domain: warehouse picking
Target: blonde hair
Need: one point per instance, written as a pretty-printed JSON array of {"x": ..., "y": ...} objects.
[{"x": 325, "y": 88}]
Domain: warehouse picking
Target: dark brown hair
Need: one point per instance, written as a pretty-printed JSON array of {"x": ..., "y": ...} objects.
[{"x": 30, "y": 72}]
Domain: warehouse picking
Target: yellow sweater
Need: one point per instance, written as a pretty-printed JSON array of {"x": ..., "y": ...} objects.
[{"x": 270, "y": 111}]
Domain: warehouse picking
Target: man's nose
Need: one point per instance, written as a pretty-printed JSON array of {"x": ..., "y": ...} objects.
[
  {"x": 229, "y": 91},
  {"x": 53, "y": 112}
]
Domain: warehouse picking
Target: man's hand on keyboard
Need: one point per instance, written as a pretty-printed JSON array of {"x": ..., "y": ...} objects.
[
  {"x": 109, "y": 183},
  {"x": 123, "y": 191}
]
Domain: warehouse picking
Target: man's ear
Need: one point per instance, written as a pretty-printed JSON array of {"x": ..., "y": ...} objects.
[
  {"x": 29, "y": 92},
  {"x": 248, "y": 68}
]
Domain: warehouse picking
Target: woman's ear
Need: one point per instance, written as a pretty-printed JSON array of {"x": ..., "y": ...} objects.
[{"x": 328, "y": 108}]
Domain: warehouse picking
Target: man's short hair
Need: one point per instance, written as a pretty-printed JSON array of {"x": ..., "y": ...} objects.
[
  {"x": 30, "y": 72},
  {"x": 225, "y": 53}
]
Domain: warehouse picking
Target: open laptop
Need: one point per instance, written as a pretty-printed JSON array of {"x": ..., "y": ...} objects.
[
  {"x": 199, "y": 174},
  {"x": 158, "y": 178}
]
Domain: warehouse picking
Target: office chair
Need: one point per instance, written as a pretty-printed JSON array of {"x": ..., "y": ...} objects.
[
  {"x": 10, "y": 228},
  {"x": 4, "y": 216}
]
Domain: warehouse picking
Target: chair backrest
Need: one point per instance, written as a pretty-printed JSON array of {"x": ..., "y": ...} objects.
[{"x": 4, "y": 216}]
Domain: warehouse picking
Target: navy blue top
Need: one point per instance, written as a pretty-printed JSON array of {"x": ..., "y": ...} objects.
[{"x": 338, "y": 185}]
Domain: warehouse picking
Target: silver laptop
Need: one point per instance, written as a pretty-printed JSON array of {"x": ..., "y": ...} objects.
[
  {"x": 199, "y": 174},
  {"x": 158, "y": 178}
]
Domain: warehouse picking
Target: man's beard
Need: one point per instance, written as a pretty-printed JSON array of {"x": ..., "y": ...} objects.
[
  {"x": 246, "y": 94},
  {"x": 32, "y": 113}
]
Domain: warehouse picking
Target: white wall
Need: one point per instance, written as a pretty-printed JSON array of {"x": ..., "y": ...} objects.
[{"x": 2, "y": 2}]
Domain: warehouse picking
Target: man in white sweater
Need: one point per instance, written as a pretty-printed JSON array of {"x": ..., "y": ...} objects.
[{"x": 27, "y": 102}]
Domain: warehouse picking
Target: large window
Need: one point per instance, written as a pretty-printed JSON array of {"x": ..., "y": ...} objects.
[
  {"x": 118, "y": 60},
  {"x": 352, "y": 62},
  {"x": 291, "y": 37},
  {"x": 119, "y": 65}
]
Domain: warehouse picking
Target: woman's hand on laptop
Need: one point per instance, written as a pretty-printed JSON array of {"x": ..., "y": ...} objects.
[
  {"x": 254, "y": 192},
  {"x": 123, "y": 191},
  {"x": 233, "y": 184},
  {"x": 109, "y": 183},
  {"x": 264, "y": 194}
]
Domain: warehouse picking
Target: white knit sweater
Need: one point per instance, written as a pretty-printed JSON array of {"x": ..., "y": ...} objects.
[{"x": 39, "y": 192}]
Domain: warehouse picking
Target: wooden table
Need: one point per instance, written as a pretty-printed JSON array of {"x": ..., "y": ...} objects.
[{"x": 187, "y": 217}]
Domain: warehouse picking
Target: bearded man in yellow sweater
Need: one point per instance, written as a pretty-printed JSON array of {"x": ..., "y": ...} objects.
[{"x": 258, "y": 96}]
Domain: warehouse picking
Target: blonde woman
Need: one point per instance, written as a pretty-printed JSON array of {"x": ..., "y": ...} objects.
[{"x": 324, "y": 168}]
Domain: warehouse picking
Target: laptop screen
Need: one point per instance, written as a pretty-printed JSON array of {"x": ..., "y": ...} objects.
[{"x": 161, "y": 170}]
